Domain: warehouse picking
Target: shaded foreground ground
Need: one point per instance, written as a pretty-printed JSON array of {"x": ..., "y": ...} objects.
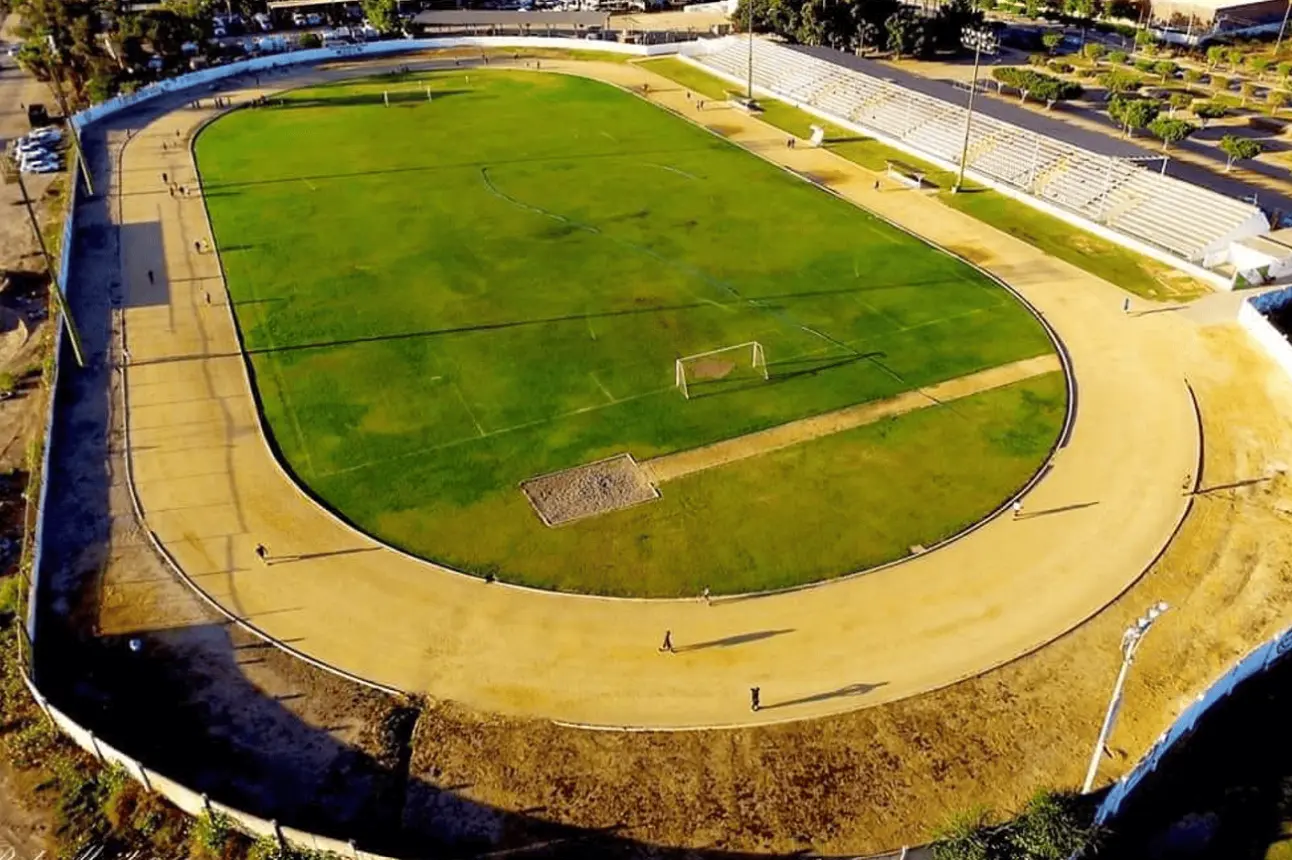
[{"x": 260, "y": 731}]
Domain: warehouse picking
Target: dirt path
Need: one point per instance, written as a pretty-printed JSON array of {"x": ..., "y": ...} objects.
[
  {"x": 212, "y": 491},
  {"x": 672, "y": 466}
]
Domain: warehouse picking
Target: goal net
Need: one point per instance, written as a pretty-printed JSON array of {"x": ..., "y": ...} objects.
[{"x": 723, "y": 367}]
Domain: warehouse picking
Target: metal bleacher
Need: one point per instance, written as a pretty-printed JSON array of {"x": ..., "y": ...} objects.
[{"x": 1185, "y": 220}]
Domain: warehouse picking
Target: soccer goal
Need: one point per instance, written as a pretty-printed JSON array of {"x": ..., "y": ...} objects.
[{"x": 724, "y": 364}]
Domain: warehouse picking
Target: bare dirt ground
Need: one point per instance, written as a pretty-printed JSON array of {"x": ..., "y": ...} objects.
[
  {"x": 25, "y": 821},
  {"x": 259, "y": 730},
  {"x": 585, "y": 491}
]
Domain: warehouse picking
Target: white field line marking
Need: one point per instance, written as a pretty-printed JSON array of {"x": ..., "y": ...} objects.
[
  {"x": 674, "y": 170},
  {"x": 591, "y": 332},
  {"x": 583, "y": 410},
  {"x": 463, "y": 401},
  {"x": 309, "y": 184},
  {"x": 604, "y": 390}
]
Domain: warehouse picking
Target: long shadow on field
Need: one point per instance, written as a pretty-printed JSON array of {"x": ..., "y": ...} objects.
[
  {"x": 777, "y": 373},
  {"x": 458, "y": 165},
  {"x": 203, "y": 702},
  {"x": 399, "y": 97}
]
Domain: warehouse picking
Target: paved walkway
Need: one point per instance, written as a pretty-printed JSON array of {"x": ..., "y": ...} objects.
[
  {"x": 211, "y": 490},
  {"x": 672, "y": 466}
]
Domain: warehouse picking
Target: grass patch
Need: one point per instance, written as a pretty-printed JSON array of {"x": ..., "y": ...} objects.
[
  {"x": 433, "y": 322},
  {"x": 1127, "y": 269},
  {"x": 696, "y": 80}
]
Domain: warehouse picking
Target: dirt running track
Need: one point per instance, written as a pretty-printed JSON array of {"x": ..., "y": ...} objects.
[{"x": 211, "y": 490}]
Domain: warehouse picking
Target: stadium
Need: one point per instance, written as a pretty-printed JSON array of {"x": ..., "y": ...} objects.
[{"x": 542, "y": 385}]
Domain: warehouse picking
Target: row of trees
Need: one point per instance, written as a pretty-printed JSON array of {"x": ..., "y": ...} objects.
[
  {"x": 850, "y": 25},
  {"x": 1045, "y": 88},
  {"x": 90, "y": 50}
]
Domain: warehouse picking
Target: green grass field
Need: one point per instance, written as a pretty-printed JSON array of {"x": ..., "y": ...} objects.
[{"x": 443, "y": 298}]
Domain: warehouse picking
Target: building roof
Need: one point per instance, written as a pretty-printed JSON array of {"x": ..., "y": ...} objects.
[
  {"x": 490, "y": 17},
  {"x": 1277, "y": 244}
]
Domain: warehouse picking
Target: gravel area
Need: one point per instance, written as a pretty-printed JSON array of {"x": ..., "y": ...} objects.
[{"x": 585, "y": 491}]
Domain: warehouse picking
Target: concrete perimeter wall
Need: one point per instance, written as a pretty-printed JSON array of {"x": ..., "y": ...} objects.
[
  {"x": 1261, "y": 658},
  {"x": 196, "y": 803},
  {"x": 1271, "y": 340}
]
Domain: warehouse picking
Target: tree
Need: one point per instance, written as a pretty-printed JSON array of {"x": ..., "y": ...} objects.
[
  {"x": 1247, "y": 89},
  {"x": 1118, "y": 57},
  {"x": 382, "y": 14},
  {"x": 1036, "y": 59},
  {"x": 310, "y": 40},
  {"x": 1220, "y": 83},
  {"x": 1145, "y": 40},
  {"x": 903, "y": 28},
  {"x": 1235, "y": 57},
  {"x": 1192, "y": 76},
  {"x": 1260, "y": 65},
  {"x": 1046, "y": 88},
  {"x": 1117, "y": 82},
  {"x": 1093, "y": 51},
  {"x": 1133, "y": 114},
  {"x": 1179, "y": 101},
  {"x": 1170, "y": 131},
  {"x": 1207, "y": 111},
  {"x": 1283, "y": 70},
  {"x": 1216, "y": 55},
  {"x": 948, "y": 24},
  {"x": 1276, "y": 99},
  {"x": 1166, "y": 69},
  {"x": 1032, "y": 8},
  {"x": 1238, "y": 149},
  {"x": 1051, "y": 39}
]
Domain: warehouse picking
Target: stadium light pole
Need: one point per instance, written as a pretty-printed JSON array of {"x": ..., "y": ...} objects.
[
  {"x": 749, "y": 25},
  {"x": 1282, "y": 29},
  {"x": 1130, "y": 643},
  {"x": 978, "y": 39}
]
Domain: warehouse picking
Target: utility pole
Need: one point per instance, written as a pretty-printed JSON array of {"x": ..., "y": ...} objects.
[
  {"x": 978, "y": 39},
  {"x": 1282, "y": 29},
  {"x": 59, "y": 299},
  {"x": 1130, "y": 643},
  {"x": 749, "y": 25}
]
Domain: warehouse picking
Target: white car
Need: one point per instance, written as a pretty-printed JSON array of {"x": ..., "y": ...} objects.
[
  {"x": 49, "y": 132},
  {"x": 46, "y": 165}
]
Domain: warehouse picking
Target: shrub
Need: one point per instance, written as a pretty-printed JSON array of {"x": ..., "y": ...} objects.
[
  {"x": 210, "y": 834},
  {"x": 1060, "y": 67},
  {"x": 310, "y": 40},
  {"x": 10, "y": 595},
  {"x": 1220, "y": 83},
  {"x": 8, "y": 382},
  {"x": 967, "y": 836},
  {"x": 1144, "y": 65},
  {"x": 1037, "y": 59},
  {"x": 1093, "y": 51}
]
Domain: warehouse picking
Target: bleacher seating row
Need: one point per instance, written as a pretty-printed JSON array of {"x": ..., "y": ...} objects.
[{"x": 1183, "y": 219}]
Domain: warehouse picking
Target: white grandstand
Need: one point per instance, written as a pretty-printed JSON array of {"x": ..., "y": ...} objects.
[{"x": 1188, "y": 222}]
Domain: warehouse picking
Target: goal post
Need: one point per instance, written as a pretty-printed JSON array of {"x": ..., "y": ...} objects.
[{"x": 719, "y": 364}]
